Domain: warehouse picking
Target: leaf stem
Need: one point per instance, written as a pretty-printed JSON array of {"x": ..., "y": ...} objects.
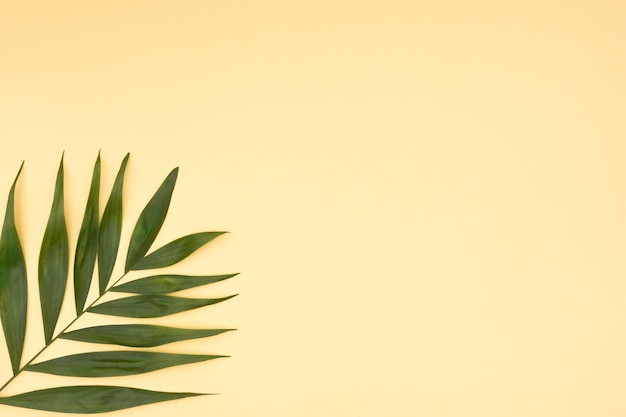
[{"x": 60, "y": 333}]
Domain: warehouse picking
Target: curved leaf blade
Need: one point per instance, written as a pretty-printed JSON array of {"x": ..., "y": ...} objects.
[
  {"x": 90, "y": 399},
  {"x": 175, "y": 251},
  {"x": 111, "y": 230},
  {"x": 150, "y": 221},
  {"x": 87, "y": 244},
  {"x": 165, "y": 284},
  {"x": 53, "y": 261},
  {"x": 115, "y": 363},
  {"x": 149, "y": 306},
  {"x": 13, "y": 284},
  {"x": 138, "y": 335}
]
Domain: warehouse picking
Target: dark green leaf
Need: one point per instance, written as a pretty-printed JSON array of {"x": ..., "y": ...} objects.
[
  {"x": 100, "y": 243},
  {"x": 117, "y": 363},
  {"x": 146, "y": 306},
  {"x": 90, "y": 399},
  {"x": 165, "y": 284},
  {"x": 13, "y": 285},
  {"x": 138, "y": 335},
  {"x": 150, "y": 221},
  {"x": 175, "y": 251},
  {"x": 53, "y": 261},
  {"x": 87, "y": 244},
  {"x": 110, "y": 230}
]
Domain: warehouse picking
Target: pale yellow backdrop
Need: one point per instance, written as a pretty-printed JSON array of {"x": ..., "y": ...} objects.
[{"x": 426, "y": 199}]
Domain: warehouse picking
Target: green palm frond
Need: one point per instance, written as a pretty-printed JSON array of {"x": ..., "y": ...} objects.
[{"x": 98, "y": 243}]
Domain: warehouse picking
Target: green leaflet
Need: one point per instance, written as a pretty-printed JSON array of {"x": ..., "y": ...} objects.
[
  {"x": 138, "y": 335},
  {"x": 90, "y": 399},
  {"x": 165, "y": 284},
  {"x": 53, "y": 261},
  {"x": 87, "y": 245},
  {"x": 110, "y": 230},
  {"x": 13, "y": 284},
  {"x": 150, "y": 221},
  {"x": 116, "y": 363},
  {"x": 175, "y": 251},
  {"x": 148, "y": 306}
]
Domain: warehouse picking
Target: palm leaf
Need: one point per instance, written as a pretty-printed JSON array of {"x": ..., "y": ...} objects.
[
  {"x": 53, "y": 261},
  {"x": 149, "y": 306},
  {"x": 165, "y": 284},
  {"x": 90, "y": 399},
  {"x": 175, "y": 251},
  {"x": 87, "y": 245},
  {"x": 101, "y": 241},
  {"x": 138, "y": 335},
  {"x": 115, "y": 363},
  {"x": 111, "y": 230},
  {"x": 13, "y": 284},
  {"x": 150, "y": 221}
]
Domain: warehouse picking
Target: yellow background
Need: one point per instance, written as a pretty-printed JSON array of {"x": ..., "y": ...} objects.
[{"x": 426, "y": 199}]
